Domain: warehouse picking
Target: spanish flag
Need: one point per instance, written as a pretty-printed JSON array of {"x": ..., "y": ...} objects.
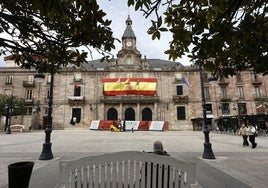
[{"x": 129, "y": 86}]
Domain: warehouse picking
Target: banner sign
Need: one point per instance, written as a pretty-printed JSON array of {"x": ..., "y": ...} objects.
[
  {"x": 131, "y": 125},
  {"x": 129, "y": 86},
  {"x": 94, "y": 124},
  {"x": 157, "y": 125}
]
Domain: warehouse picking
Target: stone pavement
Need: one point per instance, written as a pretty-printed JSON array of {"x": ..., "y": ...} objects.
[{"x": 234, "y": 167}]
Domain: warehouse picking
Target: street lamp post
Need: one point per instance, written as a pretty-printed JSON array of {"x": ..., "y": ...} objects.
[
  {"x": 212, "y": 80},
  {"x": 238, "y": 111},
  {"x": 36, "y": 123},
  {"x": 208, "y": 153},
  {"x": 10, "y": 108},
  {"x": 46, "y": 151},
  {"x": 8, "y": 131}
]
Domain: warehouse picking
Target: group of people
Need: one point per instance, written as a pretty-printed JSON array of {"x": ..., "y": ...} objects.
[{"x": 250, "y": 132}]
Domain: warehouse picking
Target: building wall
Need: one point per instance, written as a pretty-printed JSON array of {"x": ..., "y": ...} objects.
[{"x": 165, "y": 109}]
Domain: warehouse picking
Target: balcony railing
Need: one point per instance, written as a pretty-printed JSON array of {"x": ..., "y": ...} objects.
[
  {"x": 225, "y": 99},
  {"x": 129, "y": 99},
  {"x": 76, "y": 100},
  {"x": 256, "y": 81},
  {"x": 180, "y": 98},
  {"x": 223, "y": 82},
  {"x": 8, "y": 83},
  {"x": 260, "y": 98},
  {"x": 29, "y": 101},
  {"x": 177, "y": 80},
  {"x": 28, "y": 84}
]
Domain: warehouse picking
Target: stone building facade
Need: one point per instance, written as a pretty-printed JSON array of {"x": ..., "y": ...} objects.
[{"x": 132, "y": 87}]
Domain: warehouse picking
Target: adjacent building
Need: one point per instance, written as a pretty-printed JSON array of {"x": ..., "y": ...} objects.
[{"x": 132, "y": 87}]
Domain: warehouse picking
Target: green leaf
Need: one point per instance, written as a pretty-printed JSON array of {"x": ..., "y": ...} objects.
[{"x": 163, "y": 29}]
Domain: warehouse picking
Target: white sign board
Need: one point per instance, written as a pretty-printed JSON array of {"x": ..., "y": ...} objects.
[
  {"x": 94, "y": 124},
  {"x": 132, "y": 125},
  {"x": 157, "y": 125}
]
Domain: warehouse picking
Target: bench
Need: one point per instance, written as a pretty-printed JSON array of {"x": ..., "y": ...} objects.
[
  {"x": 127, "y": 169},
  {"x": 17, "y": 127}
]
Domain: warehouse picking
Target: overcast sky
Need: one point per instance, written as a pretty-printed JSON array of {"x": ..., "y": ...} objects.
[{"x": 118, "y": 11}]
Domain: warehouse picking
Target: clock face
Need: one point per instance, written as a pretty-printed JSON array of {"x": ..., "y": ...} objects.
[{"x": 129, "y": 43}]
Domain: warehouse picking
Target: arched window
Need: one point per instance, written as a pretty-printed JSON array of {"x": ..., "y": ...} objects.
[
  {"x": 112, "y": 114},
  {"x": 147, "y": 114},
  {"x": 130, "y": 114}
]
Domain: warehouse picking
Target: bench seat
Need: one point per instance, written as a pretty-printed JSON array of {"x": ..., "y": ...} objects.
[
  {"x": 16, "y": 127},
  {"x": 127, "y": 169}
]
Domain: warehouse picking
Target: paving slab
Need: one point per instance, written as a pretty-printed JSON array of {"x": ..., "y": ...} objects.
[{"x": 234, "y": 166}]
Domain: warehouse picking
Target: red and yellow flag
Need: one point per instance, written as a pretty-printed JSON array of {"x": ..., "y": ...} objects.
[{"x": 129, "y": 86}]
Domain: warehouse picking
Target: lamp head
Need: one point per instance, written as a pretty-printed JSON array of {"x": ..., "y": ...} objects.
[
  {"x": 39, "y": 77},
  {"x": 212, "y": 79}
]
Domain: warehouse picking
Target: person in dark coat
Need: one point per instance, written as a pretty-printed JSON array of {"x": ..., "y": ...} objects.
[{"x": 159, "y": 149}]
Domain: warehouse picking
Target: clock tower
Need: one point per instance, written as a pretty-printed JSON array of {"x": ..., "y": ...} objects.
[
  {"x": 129, "y": 55},
  {"x": 129, "y": 38}
]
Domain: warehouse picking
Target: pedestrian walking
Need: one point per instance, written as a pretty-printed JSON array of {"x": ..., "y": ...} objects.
[
  {"x": 252, "y": 134},
  {"x": 243, "y": 131}
]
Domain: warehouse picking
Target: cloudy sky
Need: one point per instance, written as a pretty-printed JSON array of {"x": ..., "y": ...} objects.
[{"x": 118, "y": 11}]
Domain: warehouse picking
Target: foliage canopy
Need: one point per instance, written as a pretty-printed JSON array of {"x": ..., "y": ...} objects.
[
  {"x": 10, "y": 102},
  {"x": 53, "y": 31},
  {"x": 224, "y": 36}
]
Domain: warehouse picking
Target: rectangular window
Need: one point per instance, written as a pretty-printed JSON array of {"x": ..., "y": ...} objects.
[
  {"x": 240, "y": 92},
  {"x": 239, "y": 78},
  {"x": 181, "y": 113},
  {"x": 254, "y": 77},
  {"x": 8, "y": 92},
  {"x": 206, "y": 90},
  {"x": 209, "y": 108},
  {"x": 30, "y": 78},
  {"x": 77, "y": 90},
  {"x": 47, "y": 97},
  {"x": 48, "y": 78},
  {"x": 45, "y": 111},
  {"x": 242, "y": 108},
  {"x": 223, "y": 92},
  {"x": 9, "y": 79},
  {"x": 76, "y": 116},
  {"x": 205, "y": 76},
  {"x": 29, "y": 94},
  {"x": 77, "y": 77},
  {"x": 257, "y": 92},
  {"x": 225, "y": 109},
  {"x": 29, "y": 111},
  {"x": 180, "y": 90}
]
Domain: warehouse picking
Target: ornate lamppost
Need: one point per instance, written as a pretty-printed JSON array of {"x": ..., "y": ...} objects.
[
  {"x": 212, "y": 80},
  {"x": 46, "y": 151},
  {"x": 10, "y": 108},
  {"x": 238, "y": 111},
  {"x": 208, "y": 153}
]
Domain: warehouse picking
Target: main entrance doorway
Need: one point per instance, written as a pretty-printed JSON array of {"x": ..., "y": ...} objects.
[
  {"x": 130, "y": 114},
  {"x": 147, "y": 114},
  {"x": 112, "y": 114}
]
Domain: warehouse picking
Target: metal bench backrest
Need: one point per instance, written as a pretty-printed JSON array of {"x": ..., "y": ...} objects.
[{"x": 127, "y": 169}]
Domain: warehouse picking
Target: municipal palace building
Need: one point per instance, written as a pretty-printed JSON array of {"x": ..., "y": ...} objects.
[{"x": 133, "y": 88}]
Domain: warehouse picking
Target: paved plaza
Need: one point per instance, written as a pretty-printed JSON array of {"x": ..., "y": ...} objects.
[{"x": 234, "y": 167}]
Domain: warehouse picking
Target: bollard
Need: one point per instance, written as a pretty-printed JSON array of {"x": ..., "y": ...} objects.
[{"x": 19, "y": 174}]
